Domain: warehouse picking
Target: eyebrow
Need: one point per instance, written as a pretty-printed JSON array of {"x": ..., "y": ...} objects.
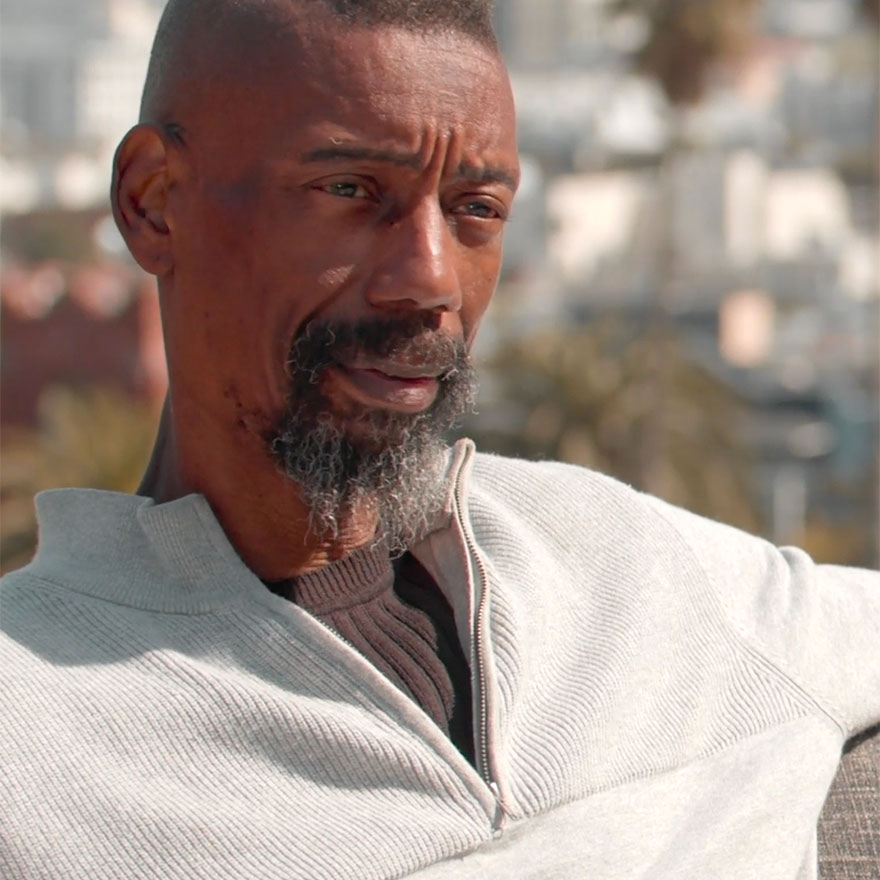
[
  {"x": 488, "y": 175},
  {"x": 407, "y": 160}
]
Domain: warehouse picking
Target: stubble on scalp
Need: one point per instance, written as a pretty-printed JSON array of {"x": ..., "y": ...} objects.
[
  {"x": 386, "y": 463},
  {"x": 199, "y": 42}
]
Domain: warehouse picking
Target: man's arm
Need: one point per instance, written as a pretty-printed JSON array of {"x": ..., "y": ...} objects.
[{"x": 819, "y": 624}]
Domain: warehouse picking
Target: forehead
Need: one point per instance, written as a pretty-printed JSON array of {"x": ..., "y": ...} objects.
[
  {"x": 385, "y": 86},
  {"x": 393, "y": 71}
]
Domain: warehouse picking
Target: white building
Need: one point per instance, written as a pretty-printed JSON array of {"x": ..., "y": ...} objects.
[
  {"x": 71, "y": 77},
  {"x": 725, "y": 214}
]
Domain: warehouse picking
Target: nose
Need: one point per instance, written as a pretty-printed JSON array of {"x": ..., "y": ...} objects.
[{"x": 418, "y": 266}]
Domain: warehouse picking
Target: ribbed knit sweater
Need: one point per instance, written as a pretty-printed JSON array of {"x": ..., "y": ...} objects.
[
  {"x": 395, "y": 616},
  {"x": 656, "y": 696}
]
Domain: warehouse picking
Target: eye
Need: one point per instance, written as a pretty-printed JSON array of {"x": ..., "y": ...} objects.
[
  {"x": 482, "y": 209},
  {"x": 346, "y": 190}
]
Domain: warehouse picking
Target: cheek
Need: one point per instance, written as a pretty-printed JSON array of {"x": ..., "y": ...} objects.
[
  {"x": 216, "y": 256},
  {"x": 470, "y": 326},
  {"x": 479, "y": 290},
  {"x": 333, "y": 278},
  {"x": 312, "y": 289}
]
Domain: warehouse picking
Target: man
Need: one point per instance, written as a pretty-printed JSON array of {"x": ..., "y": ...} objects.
[{"x": 319, "y": 644}]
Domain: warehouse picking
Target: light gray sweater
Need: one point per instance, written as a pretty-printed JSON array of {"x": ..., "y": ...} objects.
[{"x": 656, "y": 696}]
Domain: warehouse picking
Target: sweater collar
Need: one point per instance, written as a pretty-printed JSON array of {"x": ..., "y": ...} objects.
[
  {"x": 174, "y": 556},
  {"x": 354, "y": 579}
]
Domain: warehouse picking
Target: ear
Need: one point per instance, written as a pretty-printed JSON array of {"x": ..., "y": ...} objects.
[{"x": 139, "y": 196}]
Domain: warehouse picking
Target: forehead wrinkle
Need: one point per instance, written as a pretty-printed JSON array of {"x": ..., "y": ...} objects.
[
  {"x": 341, "y": 152},
  {"x": 453, "y": 159},
  {"x": 465, "y": 171}
]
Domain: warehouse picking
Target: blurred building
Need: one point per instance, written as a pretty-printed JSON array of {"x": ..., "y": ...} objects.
[
  {"x": 80, "y": 326},
  {"x": 71, "y": 76},
  {"x": 537, "y": 35},
  {"x": 757, "y": 235}
]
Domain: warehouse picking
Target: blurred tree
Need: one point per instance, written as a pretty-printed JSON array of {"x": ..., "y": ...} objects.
[
  {"x": 834, "y": 543},
  {"x": 585, "y": 395},
  {"x": 686, "y": 42},
  {"x": 689, "y": 39},
  {"x": 94, "y": 437},
  {"x": 846, "y": 531},
  {"x": 51, "y": 235}
]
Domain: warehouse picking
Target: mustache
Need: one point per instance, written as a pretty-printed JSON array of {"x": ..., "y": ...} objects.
[{"x": 408, "y": 339}]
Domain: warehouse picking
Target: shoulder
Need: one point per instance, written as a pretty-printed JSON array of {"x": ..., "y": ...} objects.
[
  {"x": 535, "y": 482},
  {"x": 34, "y": 618},
  {"x": 586, "y": 506},
  {"x": 555, "y": 499},
  {"x": 815, "y": 622}
]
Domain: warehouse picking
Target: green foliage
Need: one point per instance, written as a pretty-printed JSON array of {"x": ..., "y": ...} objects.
[
  {"x": 94, "y": 437},
  {"x": 589, "y": 395}
]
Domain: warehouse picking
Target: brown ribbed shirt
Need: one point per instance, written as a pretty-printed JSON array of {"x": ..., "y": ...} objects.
[{"x": 395, "y": 615}]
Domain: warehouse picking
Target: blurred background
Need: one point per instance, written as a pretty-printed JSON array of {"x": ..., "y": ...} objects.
[{"x": 689, "y": 299}]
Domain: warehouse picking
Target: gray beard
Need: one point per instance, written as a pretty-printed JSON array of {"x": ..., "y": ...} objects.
[{"x": 388, "y": 464}]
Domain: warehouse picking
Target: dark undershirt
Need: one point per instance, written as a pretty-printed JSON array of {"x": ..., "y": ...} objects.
[{"x": 396, "y": 616}]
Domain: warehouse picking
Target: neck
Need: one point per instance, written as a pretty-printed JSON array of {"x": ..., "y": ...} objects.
[{"x": 259, "y": 508}]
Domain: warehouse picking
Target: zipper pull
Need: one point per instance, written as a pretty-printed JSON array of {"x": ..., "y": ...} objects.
[{"x": 500, "y": 819}]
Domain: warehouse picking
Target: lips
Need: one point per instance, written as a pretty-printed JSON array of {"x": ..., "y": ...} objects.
[
  {"x": 397, "y": 368},
  {"x": 396, "y": 364},
  {"x": 395, "y": 386}
]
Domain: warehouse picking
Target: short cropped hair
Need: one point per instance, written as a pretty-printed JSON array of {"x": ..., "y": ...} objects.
[
  {"x": 181, "y": 18},
  {"x": 471, "y": 17}
]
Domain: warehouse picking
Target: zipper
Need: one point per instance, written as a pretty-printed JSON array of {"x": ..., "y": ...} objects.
[
  {"x": 483, "y": 745},
  {"x": 479, "y": 627},
  {"x": 483, "y": 761}
]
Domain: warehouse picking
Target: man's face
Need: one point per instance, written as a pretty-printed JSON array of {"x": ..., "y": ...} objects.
[{"x": 358, "y": 189}]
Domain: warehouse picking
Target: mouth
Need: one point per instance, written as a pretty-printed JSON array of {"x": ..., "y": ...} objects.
[
  {"x": 395, "y": 365},
  {"x": 402, "y": 387}
]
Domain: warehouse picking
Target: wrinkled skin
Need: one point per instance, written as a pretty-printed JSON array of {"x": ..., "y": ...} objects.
[{"x": 351, "y": 175}]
